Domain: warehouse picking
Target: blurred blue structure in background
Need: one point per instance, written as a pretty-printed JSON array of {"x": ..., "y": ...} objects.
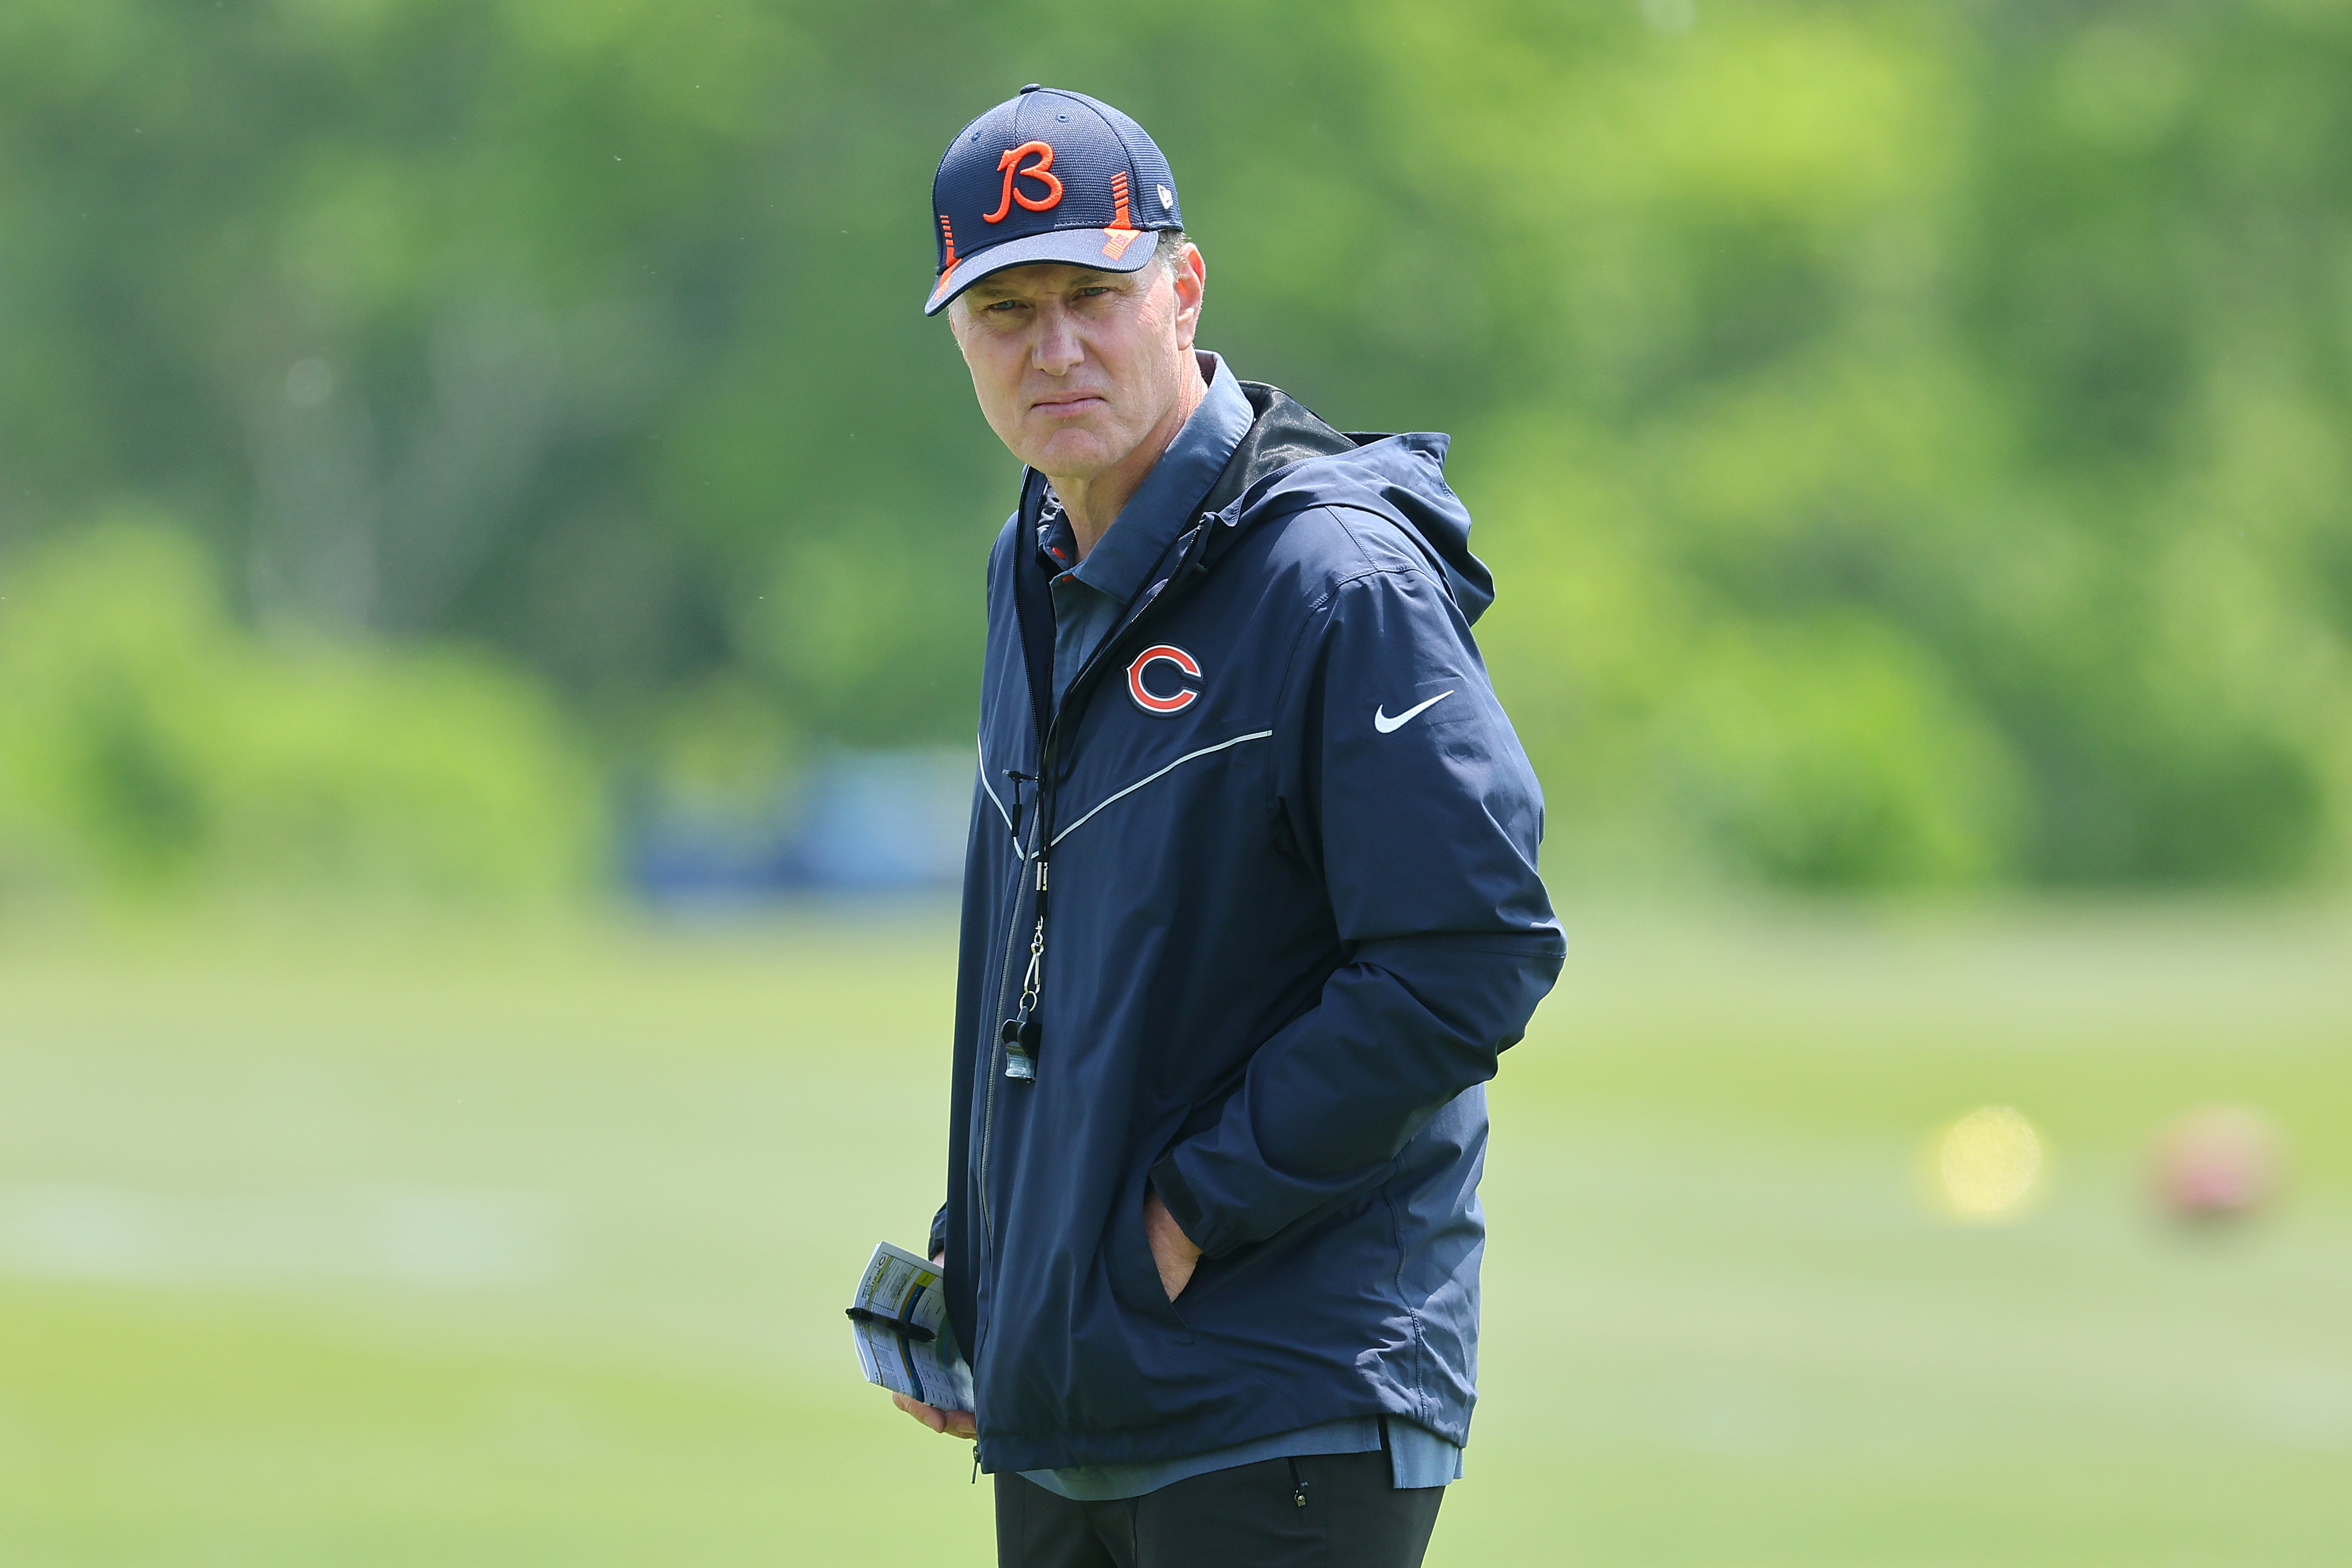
[{"x": 862, "y": 822}]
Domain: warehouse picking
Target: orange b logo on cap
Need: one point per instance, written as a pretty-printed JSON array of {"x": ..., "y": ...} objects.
[{"x": 1010, "y": 165}]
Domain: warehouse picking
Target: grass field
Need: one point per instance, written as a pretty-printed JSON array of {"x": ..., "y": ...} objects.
[{"x": 368, "y": 1247}]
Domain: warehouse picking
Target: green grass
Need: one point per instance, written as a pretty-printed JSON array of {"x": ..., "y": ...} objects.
[{"x": 390, "y": 1246}]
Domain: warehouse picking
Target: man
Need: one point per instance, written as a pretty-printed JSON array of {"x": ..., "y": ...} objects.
[{"x": 1250, "y": 908}]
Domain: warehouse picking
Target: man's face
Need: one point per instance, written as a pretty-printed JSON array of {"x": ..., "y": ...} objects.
[{"x": 1075, "y": 368}]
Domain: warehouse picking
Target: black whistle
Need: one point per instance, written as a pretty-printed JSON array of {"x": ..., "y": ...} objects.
[{"x": 1019, "y": 1038}]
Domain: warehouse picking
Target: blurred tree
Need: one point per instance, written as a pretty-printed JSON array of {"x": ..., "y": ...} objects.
[
  {"x": 148, "y": 747},
  {"x": 1911, "y": 439}
]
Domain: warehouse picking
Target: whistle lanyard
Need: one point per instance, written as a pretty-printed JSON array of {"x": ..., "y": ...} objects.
[{"x": 1019, "y": 1034}]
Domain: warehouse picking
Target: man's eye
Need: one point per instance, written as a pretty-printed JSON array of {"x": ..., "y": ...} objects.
[{"x": 1003, "y": 306}]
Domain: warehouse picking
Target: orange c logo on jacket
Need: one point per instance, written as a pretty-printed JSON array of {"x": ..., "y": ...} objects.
[
  {"x": 1151, "y": 702},
  {"x": 1010, "y": 165}
]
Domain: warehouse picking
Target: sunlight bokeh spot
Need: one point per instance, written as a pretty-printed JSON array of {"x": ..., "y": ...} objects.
[{"x": 1989, "y": 1165}]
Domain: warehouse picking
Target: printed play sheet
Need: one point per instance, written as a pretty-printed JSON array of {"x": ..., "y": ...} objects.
[{"x": 905, "y": 1343}]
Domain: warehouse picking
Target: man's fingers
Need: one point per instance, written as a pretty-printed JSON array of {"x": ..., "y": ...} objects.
[
  {"x": 954, "y": 1423},
  {"x": 936, "y": 1421}
]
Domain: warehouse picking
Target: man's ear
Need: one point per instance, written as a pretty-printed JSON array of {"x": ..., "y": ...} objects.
[{"x": 1192, "y": 289}]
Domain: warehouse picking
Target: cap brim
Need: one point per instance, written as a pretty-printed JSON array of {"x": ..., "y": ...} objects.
[{"x": 1105, "y": 250}]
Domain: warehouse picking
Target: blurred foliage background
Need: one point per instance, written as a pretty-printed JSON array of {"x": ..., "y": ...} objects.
[
  {"x": 446, "y": 445},
  {"x": 1910, "y": 437}
]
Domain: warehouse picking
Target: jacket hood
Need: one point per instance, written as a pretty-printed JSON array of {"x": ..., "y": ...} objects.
[{"x": 1290, "y": 461}]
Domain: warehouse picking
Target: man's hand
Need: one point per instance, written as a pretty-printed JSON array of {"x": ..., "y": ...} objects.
[
  {"x": 1170, "y": 1247},
  {"x": 947, "y": 1423}
]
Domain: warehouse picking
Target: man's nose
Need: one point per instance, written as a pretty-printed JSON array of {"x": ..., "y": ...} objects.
[{"x": 1058, "y": 351}]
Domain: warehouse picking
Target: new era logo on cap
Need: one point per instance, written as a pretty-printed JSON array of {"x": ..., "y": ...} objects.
[{"x": 1047, "y": 176}]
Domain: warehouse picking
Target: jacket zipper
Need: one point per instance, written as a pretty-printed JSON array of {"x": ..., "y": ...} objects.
[
  {"x": 996, "y": 1051},
  {"x": 1004, "y": 978},
  {"x": 1037, "y": 730}
]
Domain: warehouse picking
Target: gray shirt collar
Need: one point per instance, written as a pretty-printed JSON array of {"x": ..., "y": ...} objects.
[{"x": 1161, "y": 507}]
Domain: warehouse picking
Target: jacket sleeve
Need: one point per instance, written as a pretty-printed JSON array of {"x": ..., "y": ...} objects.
[{"x": 1402, "y": 782}]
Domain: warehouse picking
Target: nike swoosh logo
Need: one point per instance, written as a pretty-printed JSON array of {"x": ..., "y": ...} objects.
[{"x": 1385, "y": 725}]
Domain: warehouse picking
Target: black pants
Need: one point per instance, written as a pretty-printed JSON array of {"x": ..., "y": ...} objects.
[{"x": 1247, "y": 1517}]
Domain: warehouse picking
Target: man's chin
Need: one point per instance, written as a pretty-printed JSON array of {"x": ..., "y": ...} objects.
[{"x": 1073, "y": 449}]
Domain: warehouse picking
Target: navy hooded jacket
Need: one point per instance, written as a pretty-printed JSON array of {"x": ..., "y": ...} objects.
[{"x": 1286, "y": 931}]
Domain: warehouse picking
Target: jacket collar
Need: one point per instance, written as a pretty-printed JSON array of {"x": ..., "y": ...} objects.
[{"x": 1277, "y": 433}]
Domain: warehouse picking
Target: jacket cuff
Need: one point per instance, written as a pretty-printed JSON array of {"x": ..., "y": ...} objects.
[
  {"x": 1184, "y": 1207},
  {"x": 938, "y": 1241}
]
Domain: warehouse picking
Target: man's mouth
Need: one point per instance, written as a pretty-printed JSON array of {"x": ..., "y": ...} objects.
[{"x": 1064, "y": 404}]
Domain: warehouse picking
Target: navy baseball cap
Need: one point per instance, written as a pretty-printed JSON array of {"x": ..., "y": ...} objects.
[{"x": 1047, "y": 175}]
